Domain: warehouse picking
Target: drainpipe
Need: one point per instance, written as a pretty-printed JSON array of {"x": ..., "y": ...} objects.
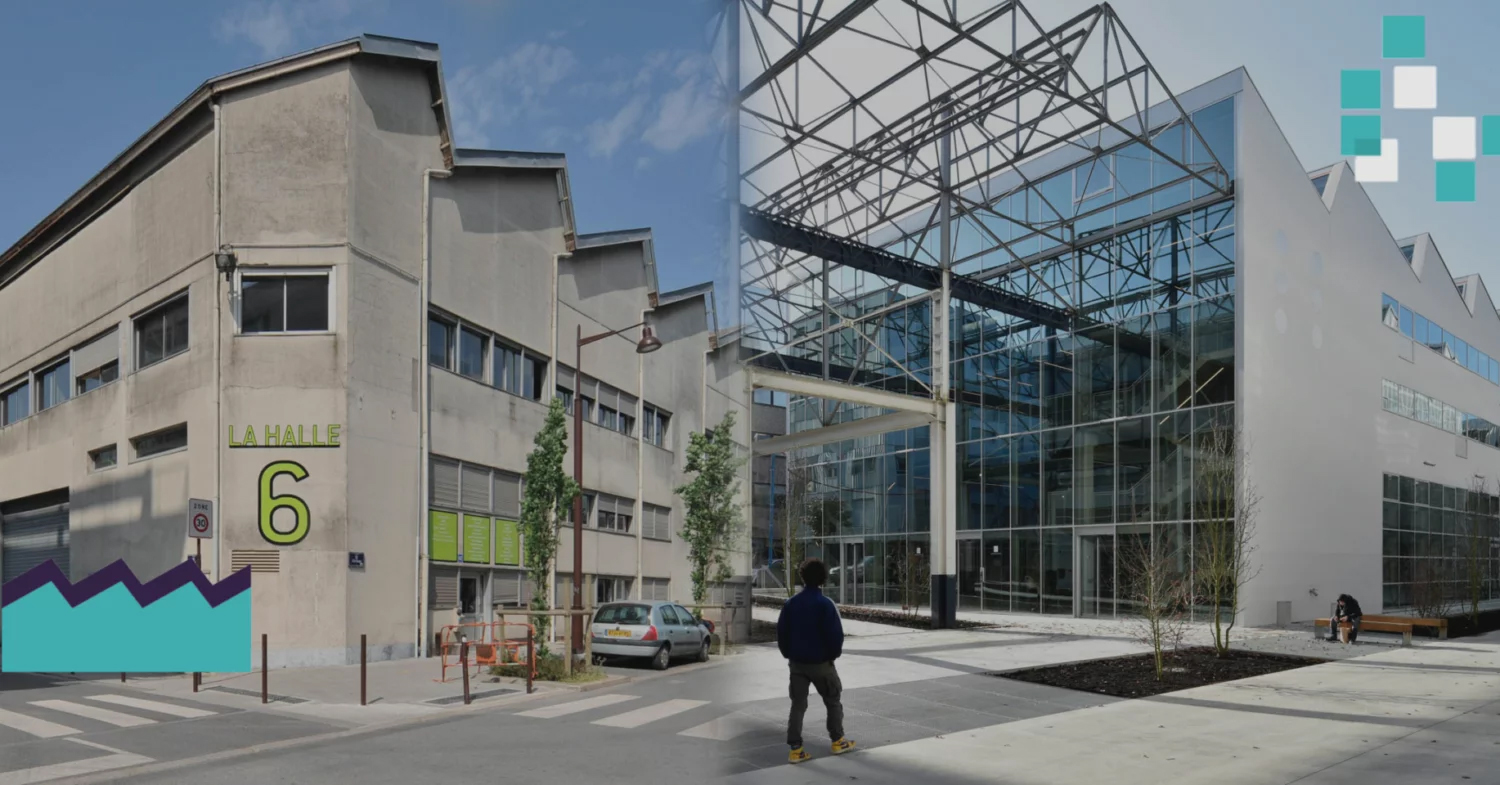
[
  {"x": 424, "y": 408},
  {"x": 218, "y": 341},
  {"x": 640, "y": 470}
]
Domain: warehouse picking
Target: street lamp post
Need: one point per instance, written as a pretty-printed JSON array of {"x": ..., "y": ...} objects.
[{"x": 647, "y": 344}]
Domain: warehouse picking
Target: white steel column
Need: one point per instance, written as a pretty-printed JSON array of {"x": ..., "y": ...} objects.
[{"x": 943, "y": 441}]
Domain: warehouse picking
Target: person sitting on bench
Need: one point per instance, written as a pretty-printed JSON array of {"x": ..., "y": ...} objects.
[{"x": 1348, "y": 612}]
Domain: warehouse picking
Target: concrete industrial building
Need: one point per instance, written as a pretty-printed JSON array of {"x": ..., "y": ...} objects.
[
  {"x": 1173, "y": 272},
  {"x": 295, "y": 298}
]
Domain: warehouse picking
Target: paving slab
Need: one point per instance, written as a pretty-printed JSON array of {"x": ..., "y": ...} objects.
[{"x": 1375, "y": 719}]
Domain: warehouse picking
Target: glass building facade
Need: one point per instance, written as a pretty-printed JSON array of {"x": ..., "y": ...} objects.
[{"x": 1067, "y": 441}]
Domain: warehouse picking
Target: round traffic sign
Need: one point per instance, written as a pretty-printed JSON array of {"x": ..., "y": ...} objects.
[{"x": 200, "y": 523}]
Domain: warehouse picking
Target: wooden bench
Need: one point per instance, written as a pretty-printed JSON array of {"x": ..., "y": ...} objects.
[
  {"x": 1367, "y": 624},
  {"x": 1441, "y": 625}
]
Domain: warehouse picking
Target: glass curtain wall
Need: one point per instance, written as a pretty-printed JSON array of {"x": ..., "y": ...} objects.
[{"x": 1056, "y": 430}]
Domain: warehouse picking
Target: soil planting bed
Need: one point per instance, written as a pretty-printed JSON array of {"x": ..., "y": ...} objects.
[{"x": 1134, "y": 676}]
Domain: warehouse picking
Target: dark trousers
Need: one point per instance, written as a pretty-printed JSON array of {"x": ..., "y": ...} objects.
[{"x": 825, "y": 679}]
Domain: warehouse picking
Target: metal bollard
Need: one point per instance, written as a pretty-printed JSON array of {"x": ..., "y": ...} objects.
[
  {"x": 363, "y": 657},
  {"x": 197, "y": 680},
  {"x": 265, "y": 692},
  {"x": 122, "y": 677},
  {"x": 463, "y": 662},
  {"x": 530, "y": 661}
]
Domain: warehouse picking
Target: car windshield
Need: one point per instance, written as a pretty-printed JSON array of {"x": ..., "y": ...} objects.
[{"x": 623, "y": 614}]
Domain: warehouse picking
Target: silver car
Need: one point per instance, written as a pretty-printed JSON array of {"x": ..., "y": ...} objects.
[{"x": 658, "y": 631}]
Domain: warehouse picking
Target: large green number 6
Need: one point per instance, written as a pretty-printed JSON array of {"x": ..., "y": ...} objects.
[{"x": 270, "y": 503}]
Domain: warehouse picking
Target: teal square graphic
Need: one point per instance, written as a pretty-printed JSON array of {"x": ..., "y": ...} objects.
[
  {"x": 1359, "y": 134},
  {"x": 1455, "y": 181},
  {"x": 1403, "y": 37},
  {"x": 1489, "y": 135},
  {"x": 1359, "y": 89}
]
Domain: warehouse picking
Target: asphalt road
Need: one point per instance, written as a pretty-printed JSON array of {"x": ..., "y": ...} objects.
[
  {"x": 658, "y": 729},
  {"x": 52, "y": 727}
]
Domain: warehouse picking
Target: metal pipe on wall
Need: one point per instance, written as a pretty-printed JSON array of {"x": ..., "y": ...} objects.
[
  {"x": 424, "y": 410},
  {"x": 218, "y": 340}
]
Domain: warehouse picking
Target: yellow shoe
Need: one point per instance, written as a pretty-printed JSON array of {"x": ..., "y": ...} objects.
[
  {"x": 842, "y": 746},
  {"x": 798, "y": 755}
]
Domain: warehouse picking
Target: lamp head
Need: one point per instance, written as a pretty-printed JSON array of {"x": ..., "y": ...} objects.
[{"x": 649, "y": 342}]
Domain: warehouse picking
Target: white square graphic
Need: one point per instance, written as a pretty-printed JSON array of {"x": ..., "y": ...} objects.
[
  {"x": 1453, "y": 138},
  {"x": 1414, "y": 87},
  {"x": 1378, "y": 168}
]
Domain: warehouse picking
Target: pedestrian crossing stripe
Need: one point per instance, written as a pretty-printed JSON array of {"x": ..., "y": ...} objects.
[
  {"x": 645, "y": 714},
  {"x": 156, "y": 706},
  {"x": 43, "y": 729},
  {"x": 723, "y": 728},
  {"x": 573, "y": 707},
  {"x": 116, "y": 718}
]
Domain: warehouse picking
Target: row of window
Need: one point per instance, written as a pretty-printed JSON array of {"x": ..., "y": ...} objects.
[
  {"x": 144, "y": 446},
  {"x": 481, "y": 355},
  {"x": 271, "y": 302},
  {"x": 1432, "y": 535},
  {"x": 1418, "y": 328},
  {"x": 1407, "y": 490},
  {"x": 466, "y": 487},
  {"x": 484, "y": 356},
  {"x": 1406, "y": 402}
]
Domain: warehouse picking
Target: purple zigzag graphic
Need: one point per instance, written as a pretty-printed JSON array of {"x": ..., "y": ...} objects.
[{"x": 118, "y": 572}]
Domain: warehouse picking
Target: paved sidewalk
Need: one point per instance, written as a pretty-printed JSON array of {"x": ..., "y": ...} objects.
[{"x": 1396, "y": 715}]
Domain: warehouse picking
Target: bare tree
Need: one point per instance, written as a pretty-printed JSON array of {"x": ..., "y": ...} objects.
[
  {"x": 1474, "y": 546},
  {"x": 1156, "y": 589},
  {"x": 1224, "y": 539},
  {"x": 1429, "y": 588}
]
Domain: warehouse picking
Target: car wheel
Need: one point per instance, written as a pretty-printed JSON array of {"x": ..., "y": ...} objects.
[
  {"x": 662, "y": 659},
  {"x": 703, "y": 652}
]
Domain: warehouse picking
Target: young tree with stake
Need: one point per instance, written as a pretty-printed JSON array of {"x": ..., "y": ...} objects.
[
  {"x": 547, "y": 495},
  {"x": 712, "y": 518},
  {"x": 1224, "y": 539}
]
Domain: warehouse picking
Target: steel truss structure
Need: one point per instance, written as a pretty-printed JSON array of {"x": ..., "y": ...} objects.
[
  {"x": 897, "y": 188},
  {"x": 848, "y": 113}
]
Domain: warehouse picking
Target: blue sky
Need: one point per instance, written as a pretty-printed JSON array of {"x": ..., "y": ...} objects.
[{"x": 625, "y": 89}]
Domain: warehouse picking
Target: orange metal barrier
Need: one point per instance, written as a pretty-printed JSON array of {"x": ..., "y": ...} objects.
[{"x": 487, "y": 643}]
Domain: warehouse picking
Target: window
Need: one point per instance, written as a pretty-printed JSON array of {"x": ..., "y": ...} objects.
[
  {"x": 285, "y": 302},
  {"x": 1390, "y": 313},
  {"x": 770, "y": 397},
  {"x": 96, "y": 363},
  {"x": 15, "y": 403},
  {"x": 159, "y": 442},
  {"x": 657, "y": 589},
  {"x": 615, "y": 514},
  {"x": 566, "y": 396},
  {"x": 609, "y": 418},
  {"x": 471, "y": 350},
  {"x": 607, "y": 589},
  {"x": 1320, "y": 182},
  {"x": 98, "y": 377},
  {"x": 654, "y": 425},
  {"x": 52, "y": 386},
  {"x": 520, "y": 372},
  {"x": 161, "y": 332},
  {"x": 1407, "y": 250},
  {"x": 669, "y": 616},
  {"x": 588, "y": 508},
  {"x": 655, "y": 523},
  {"x": 104, "y": 457},
  {"x": 440, "y": 342}
]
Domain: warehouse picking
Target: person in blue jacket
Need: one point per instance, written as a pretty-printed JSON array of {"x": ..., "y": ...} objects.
[{"x": 811, "y": 637}]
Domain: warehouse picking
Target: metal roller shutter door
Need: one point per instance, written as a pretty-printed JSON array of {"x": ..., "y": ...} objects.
[{"x": 32, "y": 537}]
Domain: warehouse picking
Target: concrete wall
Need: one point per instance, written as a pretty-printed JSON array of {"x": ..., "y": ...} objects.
[
  {"x": 1313, "y": 353},
  {"x": 147, "y": 247}
]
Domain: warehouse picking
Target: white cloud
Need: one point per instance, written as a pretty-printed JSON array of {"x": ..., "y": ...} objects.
[
  {"x": 642, "y": 163},
  {"x": 279, "y": 27},
  {"x": 606, "y": 136},
  {"x": 691, "y": 110},
  {"x": 512, "y": 88}
]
